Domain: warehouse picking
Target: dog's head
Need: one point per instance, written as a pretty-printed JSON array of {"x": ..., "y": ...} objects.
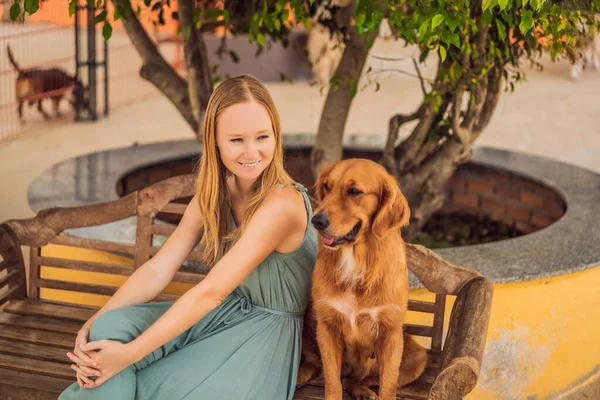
[{"x": 357, "y": 197}]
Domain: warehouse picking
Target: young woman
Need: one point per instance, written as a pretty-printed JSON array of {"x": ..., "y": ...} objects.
[{"x": 235, "y": 335}]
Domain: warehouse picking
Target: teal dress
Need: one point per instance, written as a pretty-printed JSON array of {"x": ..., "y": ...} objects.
[{"x": 247, "y": 348}]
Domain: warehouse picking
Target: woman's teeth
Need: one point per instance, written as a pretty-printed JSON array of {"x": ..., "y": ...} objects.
[{"x": 251, "y": 165}]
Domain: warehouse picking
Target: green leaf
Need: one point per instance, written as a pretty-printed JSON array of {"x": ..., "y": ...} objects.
[
  {"x": 486, "y": 4},
  {"x": 226, "y": 16},
  {"x": 526, "y": 22},
  {"x": 525, "y": 2},
  {"x": 31, "y": 6},
  {"x": 269, "y": 23},
  {"x": 423, "y": 29},
  {"x": 455, "y": 40},
  {"x": 98, "y": 3},
  {"x": 147, "y": 2},
  {"x": 100, "y": 17},
  {"x": 117, "y": 14},
  {"x": 436, "y": 21},
  {"x": 487, "y": 17},
  {"x": 442, "y": 53},
  {"x": 451, "y": 22},
  {"x": 360, "y": 18},
  {"x": 260, "y": 38},
  {"x": 501, "y": 29},
  {"x": 107, "y": 31},
  {"x": 277, "y": 23},
  {"x": 15, "y": 11},
  {"x": 428, "y": 97},
  {"x": 72, "y": 7},
  {"x": 502, "y": 4}
]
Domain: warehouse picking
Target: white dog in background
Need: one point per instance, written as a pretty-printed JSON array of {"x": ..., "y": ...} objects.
[
  {"x": 585, "y": 55},
  {"x": 586, "y": 52}
]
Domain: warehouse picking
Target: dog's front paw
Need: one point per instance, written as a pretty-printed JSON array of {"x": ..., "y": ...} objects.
[{"x": 358, "y": 390}]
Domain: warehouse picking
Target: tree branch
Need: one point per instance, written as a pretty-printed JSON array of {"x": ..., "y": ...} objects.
[
  {"x": 491, "y": 100},
  {"x": 389, "y": 162},
  {"x": 196, "y": 61},
  {"x": 154, "y": 67},
  {"x": 461, "y": 134},
  {"x": 420, "y": 77},
  {"x": 406, "y": 151}
]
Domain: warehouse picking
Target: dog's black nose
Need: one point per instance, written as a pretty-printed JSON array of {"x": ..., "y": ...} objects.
[{"x": 320, "y": 221}]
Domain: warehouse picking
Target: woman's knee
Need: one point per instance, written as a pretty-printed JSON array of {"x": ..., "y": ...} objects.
[{"x": 117, "y": 324}]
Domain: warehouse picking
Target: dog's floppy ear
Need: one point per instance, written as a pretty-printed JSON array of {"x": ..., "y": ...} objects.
[
  {"x": 321, "y": 181},
  {"x": 393, "y": 212}
]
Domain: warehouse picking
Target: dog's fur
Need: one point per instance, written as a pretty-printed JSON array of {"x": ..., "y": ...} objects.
[
  {"x": 360, "y": 286},
  {"x": 34, "y": 85}
]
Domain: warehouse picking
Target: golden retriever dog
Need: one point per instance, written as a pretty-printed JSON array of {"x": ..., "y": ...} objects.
[{"x": 360, "y": 286}]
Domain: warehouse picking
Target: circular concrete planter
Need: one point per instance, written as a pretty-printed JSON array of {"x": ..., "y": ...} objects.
[{"x": 542, "y": 338}]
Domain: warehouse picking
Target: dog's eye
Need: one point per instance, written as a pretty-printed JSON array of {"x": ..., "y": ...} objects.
[
  {"x": 354, "y": 192},
  {"x": 325, "y": 187}
]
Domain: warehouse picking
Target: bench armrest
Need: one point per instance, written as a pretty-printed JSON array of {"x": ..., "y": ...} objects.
[{"x": 463, "y": 351}]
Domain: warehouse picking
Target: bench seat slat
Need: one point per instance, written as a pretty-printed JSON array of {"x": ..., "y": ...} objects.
[
  {"x": 28, "y": 335},
  {"x": 28, "y": 307},
  {"x": 34, "y": 351},
  {"x": 40, "y": 323},
  {"x": 25, "y": 380},
  {"x": 314, "y": 391},
  {"x": 47, "y": 368}
]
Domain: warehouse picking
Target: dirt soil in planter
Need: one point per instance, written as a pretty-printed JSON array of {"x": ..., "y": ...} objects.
[{"x": 462, "y": 229}]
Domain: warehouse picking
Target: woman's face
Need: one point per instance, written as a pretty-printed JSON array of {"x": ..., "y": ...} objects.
[{"x": 245, "y": 140}]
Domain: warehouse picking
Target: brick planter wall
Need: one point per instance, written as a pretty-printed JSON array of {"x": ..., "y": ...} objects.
[
  {"x": 518, "y": 201},
  {"x": 473, "y": 189}
]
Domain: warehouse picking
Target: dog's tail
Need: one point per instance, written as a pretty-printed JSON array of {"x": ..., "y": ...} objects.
[{"x": 11, "y": 57}]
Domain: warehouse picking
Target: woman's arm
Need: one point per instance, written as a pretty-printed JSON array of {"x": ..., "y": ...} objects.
[
  {"x": 149, "y": 280},
  {"x": 277, "y": 218}
]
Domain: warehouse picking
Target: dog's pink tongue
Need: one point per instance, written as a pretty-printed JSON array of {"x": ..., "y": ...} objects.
[{"x": 327, "y": 240}]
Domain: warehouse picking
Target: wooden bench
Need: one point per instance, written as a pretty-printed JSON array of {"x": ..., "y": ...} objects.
[{"x": 35, "y": 333}]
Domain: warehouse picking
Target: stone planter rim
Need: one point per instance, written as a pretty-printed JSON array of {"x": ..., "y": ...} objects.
[{"x": 568, "y": 245}]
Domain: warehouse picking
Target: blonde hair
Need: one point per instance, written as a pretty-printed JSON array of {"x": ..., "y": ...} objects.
[{"x": 212, "y": 189}]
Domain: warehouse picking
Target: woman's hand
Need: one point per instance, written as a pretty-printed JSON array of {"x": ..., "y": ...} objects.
[
  {"x": 111, "y": 357},
  {"x": 82, "y": 362}
]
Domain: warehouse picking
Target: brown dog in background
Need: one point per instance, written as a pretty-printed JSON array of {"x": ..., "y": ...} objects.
[
  {"x": 34, "y": 85},
  {"x": 360, "y": 286}
]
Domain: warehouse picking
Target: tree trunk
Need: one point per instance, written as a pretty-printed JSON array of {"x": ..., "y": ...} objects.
[
  {"x": 424, "y": 165},
  {"x": 189, "y": 98},
  {"x": 200, "y": 83},
  {"x": 329, "y": 141}
]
